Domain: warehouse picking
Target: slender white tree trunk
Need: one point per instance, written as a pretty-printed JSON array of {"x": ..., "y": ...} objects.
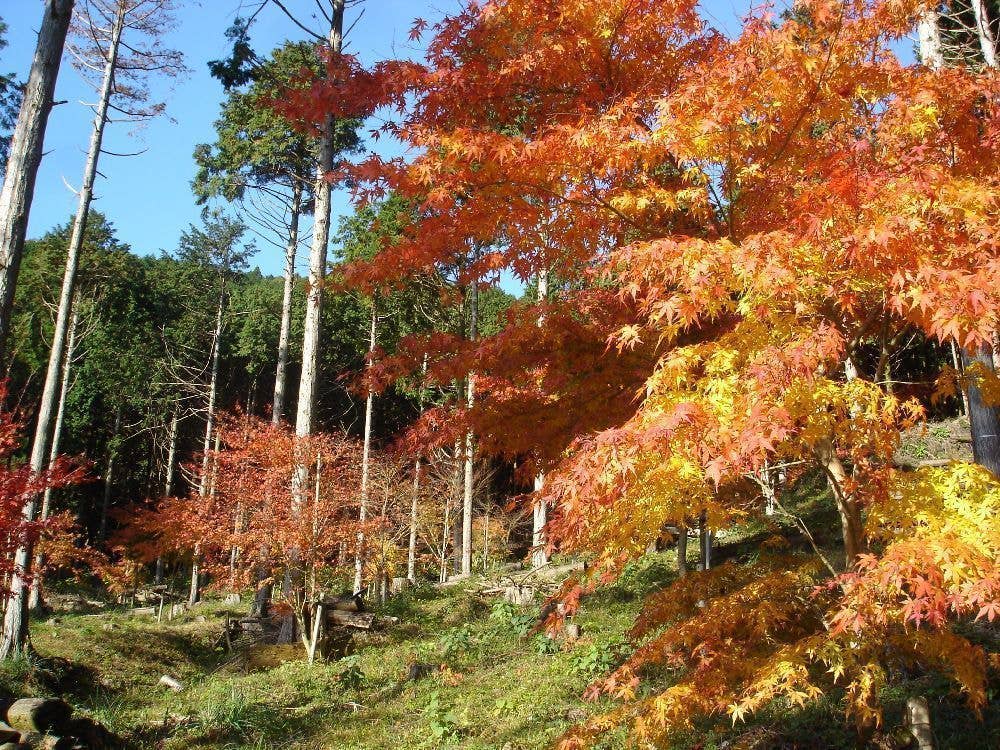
[
  {"x": 411, "y": 556},
  {"x": 194, "y": 593},
  {"x": 470, "y": 447},
  {"x": 291, "y": 251},
  {"x": 26, "y": 151},
  {"x": 168, "y": 481},
  {"x": 987, "y": 41},
  {"x": 540, "y": 511},
  {"x": 15, "y": 632},
  {"x": 359, "y": 559},
  {"x": 309, "y": 378},
  {"x": 929, "y": 40},
  {"x": 35, "y": 598},
  {"x": 317, "y": 254}
]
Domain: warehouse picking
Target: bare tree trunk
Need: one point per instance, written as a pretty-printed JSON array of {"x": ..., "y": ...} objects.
[
  {"x": 705, "y": 539},
  {"x": 456, "y": 524},
  {"x": 411, "y": 557},
  {"x": 168, "y": 482},
  {"x": 359, "y": 558},
  {"x": 26, "y": 151},
  {"x": 317, "y": 253},
  {"x": 929, "y": 35},
  {"x": 852, "y": 526},
  {"x": 984, "y": 421},
  {"x": 309, "y": 377},
  {"x": 469, "y": 442},
  {"x": 194, "y": 593},
  {"x": 15, "y": 633},
  {"x": 35, "y": 598},
  {"x": 291, "y": 250},
  {"x": 102, "y": 532},
  {"x": 984, "y": 31},
  {"x": 540, "y": 511}
]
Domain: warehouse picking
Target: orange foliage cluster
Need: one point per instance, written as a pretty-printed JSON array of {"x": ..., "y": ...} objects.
[
  {"x": 57, "y": 537},
  {"x": 734, "y": 219}
]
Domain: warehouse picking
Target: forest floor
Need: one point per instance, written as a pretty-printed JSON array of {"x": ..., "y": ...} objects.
[{"x": 503, "y": 686}]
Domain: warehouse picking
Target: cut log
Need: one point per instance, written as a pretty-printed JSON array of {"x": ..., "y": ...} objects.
[
  {"x": 172, "y": 683},
  {"x": 142, "y": 611},
  {"x": 361, "y": 620},
  {"x": 39, "y": 715}
]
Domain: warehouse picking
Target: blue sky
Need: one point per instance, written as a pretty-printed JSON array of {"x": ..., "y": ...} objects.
[{"x": 148, "y": 197}]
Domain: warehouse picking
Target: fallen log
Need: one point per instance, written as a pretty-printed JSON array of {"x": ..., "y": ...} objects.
[
  {"x": 361, "y": 620},
  {"x": 39, "y": 715}
]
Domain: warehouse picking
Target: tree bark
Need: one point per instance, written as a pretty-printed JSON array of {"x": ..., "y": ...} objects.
[
  {"x": 15, "y": 636},
  {"x": 309, "y": 376},
  {"x": 470, "y": 397},
  {"x": 359, "y": 559},
  {"x": 35, "y": 598},
  {"x": 194, "y": 593},
  {"x": 168, "y": 482},
  {"x": 102, "y": 532},
  {"x": 411, "y": 556},
  {"x": 852, "y": 525},
  {"x": 984, "y": 31},
  {"x": 26, "y": 151},
  {"x": 539, "y": 513},
  {"x": 281, "y": 374},
  {"x": 984, "y": 421},
  {"x": 929, "y": 36}
]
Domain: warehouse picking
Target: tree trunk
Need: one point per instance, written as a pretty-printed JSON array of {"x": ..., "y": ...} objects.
[
  {"x": 929, "y": 35},
  {"x": 35, "y": 598},
  {"x": 15, "y": 635},
  {"x": 852, "y": 526},
  {"x": 705, "y": 540},
  {"x": 411, "y": 556},
  {"x": 469, "y": 442},
  {"x": 168, "y": 482},
  {"x": 278, "y": 408},
  {"x": 194, "y": 594},
  {"x": 411, "y": 549},
  {"x": 359, "y": 559},
  {"x": 456, "y": 522},
  {"x": 984, "y": 421},
  {"x": 317, "y": 253},
  {"x": 540, "y": 512},
  {"x": 26, "y": 151},
  {"x": 984, "y": 31},
  {"x": 102, "y": 532},
  {"x": 309, "y": 376}
]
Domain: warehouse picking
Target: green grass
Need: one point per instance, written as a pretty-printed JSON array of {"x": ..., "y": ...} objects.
[{"x": 503, "y": 686}]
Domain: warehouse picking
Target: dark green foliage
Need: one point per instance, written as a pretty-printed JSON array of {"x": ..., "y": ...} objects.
[{"x": 10, "y": 103}]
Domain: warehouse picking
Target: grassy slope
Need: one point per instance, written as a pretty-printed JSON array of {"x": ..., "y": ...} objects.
[{"x": 501, "y": 689}]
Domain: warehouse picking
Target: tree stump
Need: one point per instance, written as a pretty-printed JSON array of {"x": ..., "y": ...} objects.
[
  {"x": 39, "y": 715},
  {"x": 918, "y": 721},
  {"x": 522, "y": 596},
  {"x": 399, "y": 585},
  {"x": 573, "y": 631}
]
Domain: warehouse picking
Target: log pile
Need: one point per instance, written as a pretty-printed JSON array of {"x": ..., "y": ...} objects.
[{"x": 48, "y": 723}]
